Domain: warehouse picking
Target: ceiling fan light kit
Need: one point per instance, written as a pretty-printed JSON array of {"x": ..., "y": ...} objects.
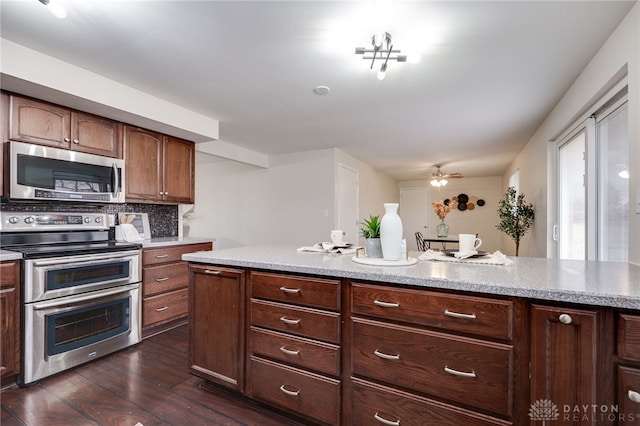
[{"x": 440, "y": 178}]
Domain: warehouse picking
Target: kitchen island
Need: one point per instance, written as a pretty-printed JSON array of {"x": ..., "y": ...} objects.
[{"x": 455, "y": 343}]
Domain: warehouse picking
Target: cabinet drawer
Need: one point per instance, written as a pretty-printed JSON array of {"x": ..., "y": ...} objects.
[
  {"x": 314, "y": 355},
  {"x": 154, "y": 256},
  {"x": 9, "y": 274},
  {"x": 164, "y": 307},
  {"x": 629, "y": 337},
  {"x": 628, "y": 392},
  {"x": 313, "y": 292},
  {"x": 460, "y": 369},
  {"x": 466, "y": 314},
  {"x": 163, "y": 278},
  {"x": 309, "y": 394},
  {"x": 307, "y": 322},
  {"x": 374, "y": 404}
]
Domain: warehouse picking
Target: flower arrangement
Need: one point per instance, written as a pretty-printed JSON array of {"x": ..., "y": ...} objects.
[{"x": 441, "y": 208}]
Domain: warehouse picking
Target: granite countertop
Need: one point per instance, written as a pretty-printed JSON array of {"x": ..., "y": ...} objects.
[
  {"x": 6, "y": 255},
  {"x": 613, "y": 284},
  {"x": 174, "y": 241}
]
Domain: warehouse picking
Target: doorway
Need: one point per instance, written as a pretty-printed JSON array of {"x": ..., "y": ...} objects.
[
  {"x": 414, "y": 211},
  {"x": 348, "y": 202}
]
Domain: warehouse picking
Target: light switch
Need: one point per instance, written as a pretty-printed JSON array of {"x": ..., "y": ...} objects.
[{"x": 637, "y": 201}]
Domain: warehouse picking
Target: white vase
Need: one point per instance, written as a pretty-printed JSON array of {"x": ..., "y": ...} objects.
[{"x": 391, "y": 233}]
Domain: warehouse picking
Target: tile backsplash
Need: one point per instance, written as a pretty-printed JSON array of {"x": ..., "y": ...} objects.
[{"x": 163, "y": 219}]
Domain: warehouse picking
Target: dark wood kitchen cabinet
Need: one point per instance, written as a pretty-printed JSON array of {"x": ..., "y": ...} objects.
[
  {"x": 165, "y": 285},
  {"x": 294, "y": 357},
  {"x": 216, "y": 324},
  {"x": 570, "y": 348},
  {"x": 451, "y": 358},
  {"x": 159, "y": 168},
  {"x": 627, "y": 370},
  {"x": 42, "y": 123},
  {"x": 9, "y": 321}
]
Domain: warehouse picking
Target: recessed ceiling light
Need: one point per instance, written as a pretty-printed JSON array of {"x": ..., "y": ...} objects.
[{"x": 321, "y": 90}]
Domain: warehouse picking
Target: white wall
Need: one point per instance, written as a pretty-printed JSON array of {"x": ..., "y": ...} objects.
[
  {"x": 481, "y": 220},
  {"x": 376, "y": 188},
  {"x": 240, "y": 204},
  {"x": 620, "y": 53}
]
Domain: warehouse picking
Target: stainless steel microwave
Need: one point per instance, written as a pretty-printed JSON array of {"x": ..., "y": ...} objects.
[{"x": 44, "y": 173}]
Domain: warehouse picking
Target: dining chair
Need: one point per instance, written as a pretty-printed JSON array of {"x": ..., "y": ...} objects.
[{"x": 420, "y": 242}]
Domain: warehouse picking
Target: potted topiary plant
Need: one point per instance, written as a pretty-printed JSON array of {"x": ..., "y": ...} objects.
[
  {"x": 516, "y": 216},
  {"x": 370, "y": 230}
]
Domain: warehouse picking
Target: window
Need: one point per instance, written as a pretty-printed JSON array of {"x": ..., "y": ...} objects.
[{"x": 593, "y": 186}]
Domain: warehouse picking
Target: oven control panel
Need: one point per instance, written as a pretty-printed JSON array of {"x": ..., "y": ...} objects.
[{"x": 42, "y": 221}]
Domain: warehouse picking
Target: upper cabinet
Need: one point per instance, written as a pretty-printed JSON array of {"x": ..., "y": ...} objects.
[
  {"x": 42, "y": 123},
  {"x": 159, "y": 168}
]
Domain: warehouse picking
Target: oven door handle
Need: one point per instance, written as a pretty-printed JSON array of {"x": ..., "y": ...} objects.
[
  {"x": 84, "y": 259},
  {"x": 91, "y": 295}
]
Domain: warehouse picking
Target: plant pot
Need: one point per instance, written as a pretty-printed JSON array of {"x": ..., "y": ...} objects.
[{"x": 373, "y": 247}]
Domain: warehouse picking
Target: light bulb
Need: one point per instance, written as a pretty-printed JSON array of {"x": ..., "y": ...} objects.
[
  {"x": 383, "y": 72},
  {"x": 55, "y": 8}
]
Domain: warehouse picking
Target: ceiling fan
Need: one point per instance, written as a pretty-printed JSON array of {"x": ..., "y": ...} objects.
[{"x": 440, "y": 178}]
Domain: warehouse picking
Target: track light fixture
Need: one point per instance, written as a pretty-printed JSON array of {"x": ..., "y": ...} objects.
[
  {"x": 382, "y": 50},
  {"x": 55, "y": 8}
]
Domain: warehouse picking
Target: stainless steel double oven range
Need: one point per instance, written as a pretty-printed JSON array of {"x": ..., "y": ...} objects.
[{"x": 81, "y": 290}]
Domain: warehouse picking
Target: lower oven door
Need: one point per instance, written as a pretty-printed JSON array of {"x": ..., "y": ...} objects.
[
  {"x": 68, "y": 331},
  {"x": 49, "y": 278}
]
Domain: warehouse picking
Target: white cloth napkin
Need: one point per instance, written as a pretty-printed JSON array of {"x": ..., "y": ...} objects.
[
  {"x": 495, "y": 258},
  {"x": 330, "y": 248}
]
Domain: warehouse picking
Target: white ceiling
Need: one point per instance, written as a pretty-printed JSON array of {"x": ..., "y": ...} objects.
[{"x": 490, "y": 71}]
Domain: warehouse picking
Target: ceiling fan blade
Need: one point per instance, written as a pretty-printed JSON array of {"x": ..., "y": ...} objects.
[{"x": 452, "y": 175}]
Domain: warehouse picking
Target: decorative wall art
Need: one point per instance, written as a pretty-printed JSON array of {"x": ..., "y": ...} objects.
[{"x": 464, "y": 202}]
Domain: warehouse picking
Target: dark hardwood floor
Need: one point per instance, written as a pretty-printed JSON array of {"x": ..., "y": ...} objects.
[{"x": 147, "y": 384}]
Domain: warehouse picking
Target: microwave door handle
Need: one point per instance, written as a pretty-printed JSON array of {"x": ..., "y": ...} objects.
[{"x": 116, "y": 181}]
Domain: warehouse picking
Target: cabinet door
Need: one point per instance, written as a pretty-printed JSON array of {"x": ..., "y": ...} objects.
[
  {"x": 178, "y": 174},
  {"x": 95, "y": 135},
  {"x": 563, "y": 356},
  {"x": 143, "y": 164},
  {"x": 9, "y": 321},
  {"x": 216, "y": 325},
  {"x": 39, "y": 122}
]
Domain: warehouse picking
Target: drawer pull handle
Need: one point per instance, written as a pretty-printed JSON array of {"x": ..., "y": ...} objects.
[
  {"x": 385, "y": 356},
  {"x": 459, "y": 315},
  {"x": 290, "y": 321},
  {"x": 565, "y": 319},
  {"x": 159, "y": 280},
  {"x": 384, "y": 421},
  {"x": 161, "y": 256},
  {"x": 386, "y": 304},
  {"x": 634, "y": 396},
  {"x": 459, "y": 373},
  {"x": 289, "y": 351},
  {"x": 211, "y": 272},
  {"x": 290, "y": 290},
  {"x": 164, "y": 308},
  {"x": 288, "y": 392}
]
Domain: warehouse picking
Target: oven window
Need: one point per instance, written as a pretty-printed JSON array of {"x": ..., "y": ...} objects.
[
  {"x": 77, "y": 276},
  {"x": 65, "y": 176},
  {"x": 85, "y": 326}
]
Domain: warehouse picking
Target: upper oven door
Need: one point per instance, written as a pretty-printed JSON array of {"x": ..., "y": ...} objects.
[
  {"x": 44, "y": 173},
  {"x": 50, "y": 278}
]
